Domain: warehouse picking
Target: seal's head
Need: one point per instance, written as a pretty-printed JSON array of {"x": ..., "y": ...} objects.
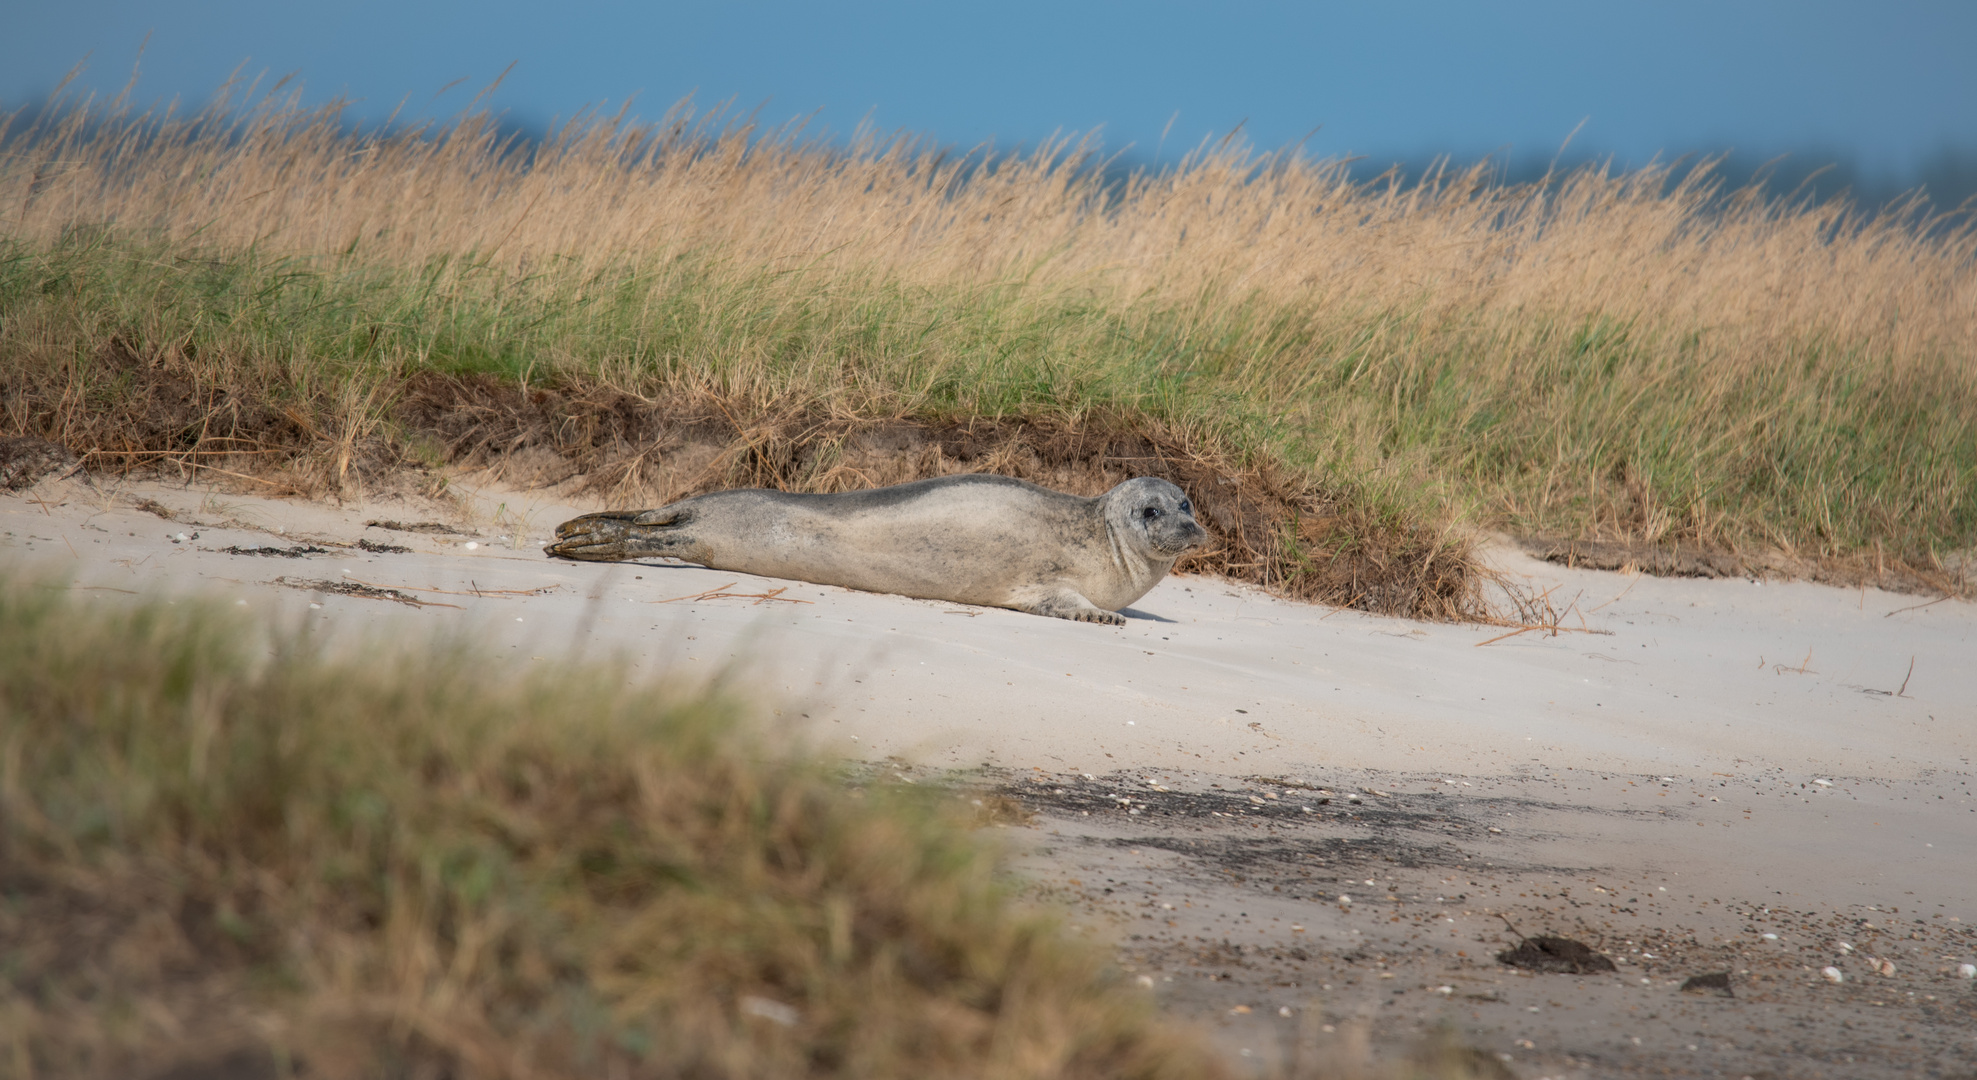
[{"x": 1156, "y": 515}]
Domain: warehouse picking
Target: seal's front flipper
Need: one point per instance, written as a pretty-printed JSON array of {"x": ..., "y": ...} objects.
[
  {"x": 1071, "y": 605},
  {"x": 615, "y": 535}
]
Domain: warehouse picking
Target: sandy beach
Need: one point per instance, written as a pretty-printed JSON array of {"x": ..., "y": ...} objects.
[{"x": 1306, "y": 828}]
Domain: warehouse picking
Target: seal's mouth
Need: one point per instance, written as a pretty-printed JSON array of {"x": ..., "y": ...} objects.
[{"x": 1183, "y": 536}]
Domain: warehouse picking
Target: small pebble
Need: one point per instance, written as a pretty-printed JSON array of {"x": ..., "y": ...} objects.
[
  {"x": 471, "y": 545},
  {"x": 1824, "y": 783},
  {"x": 1833, "y": 975},
  {"x": 1966, "y": 971},
  {"x": 1146, "y": 982},
  {"x": 773, "y": 1011},
  {"x": 1345, "y": 899},
  {"x": 1770, "y": 937}
]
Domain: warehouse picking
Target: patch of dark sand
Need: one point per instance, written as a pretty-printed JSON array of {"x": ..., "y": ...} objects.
[
  {"x": 1281, "y": 927},
  {"x": 1411, "y": 830}
]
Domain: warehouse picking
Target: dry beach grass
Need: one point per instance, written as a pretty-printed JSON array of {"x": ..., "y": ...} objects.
[
  {"x": 1606, "y": 357},
  {"x": 235, "y": 849}
]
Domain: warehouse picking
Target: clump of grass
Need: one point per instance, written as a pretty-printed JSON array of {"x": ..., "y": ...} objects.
[
  {"x": 1601, "y": 356},
  {"x": 221, "y": 847}
]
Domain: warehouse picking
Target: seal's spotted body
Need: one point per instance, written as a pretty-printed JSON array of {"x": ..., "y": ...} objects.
[{"x": 975, "y": 539}]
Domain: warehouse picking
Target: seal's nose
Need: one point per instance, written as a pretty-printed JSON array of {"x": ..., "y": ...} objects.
[{"x": 1187, "y": 534}]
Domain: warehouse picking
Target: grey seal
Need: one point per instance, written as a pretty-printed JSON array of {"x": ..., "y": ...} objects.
[{"x": 973, "y": 539}]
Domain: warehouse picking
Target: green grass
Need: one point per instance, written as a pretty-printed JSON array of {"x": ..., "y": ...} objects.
[
  {"x": 1535, "y": 424},
  {"x": 396, "y": 863}
]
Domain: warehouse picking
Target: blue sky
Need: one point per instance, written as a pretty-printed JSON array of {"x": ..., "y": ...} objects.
[{"x": 1886, "y": 83}]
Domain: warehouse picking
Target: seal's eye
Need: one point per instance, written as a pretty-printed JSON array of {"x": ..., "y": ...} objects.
[
  {"x": 1187, "y": 507},
  {"x": 1150, "y": 513}
]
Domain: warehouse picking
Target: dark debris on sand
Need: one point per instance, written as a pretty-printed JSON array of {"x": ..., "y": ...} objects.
[
  {"x": 414, "y": 526},
  {"x": 351, "y": 588},
  {"x": 296, "y": 552},
  {"x": 1556, "y": 954},
  {"x": 1715, "y": 982}
]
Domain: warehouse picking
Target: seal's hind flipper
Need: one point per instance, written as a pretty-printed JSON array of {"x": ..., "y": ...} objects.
[
  {"x": 616, "y": 535},
  {"x": 1071, "y": 605}
]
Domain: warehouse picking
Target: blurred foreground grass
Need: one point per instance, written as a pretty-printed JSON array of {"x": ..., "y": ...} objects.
[{"x": 226, "y": 850}]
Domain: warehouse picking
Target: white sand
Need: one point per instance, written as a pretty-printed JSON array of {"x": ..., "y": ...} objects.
[{"x": 1682, "y": 677}]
